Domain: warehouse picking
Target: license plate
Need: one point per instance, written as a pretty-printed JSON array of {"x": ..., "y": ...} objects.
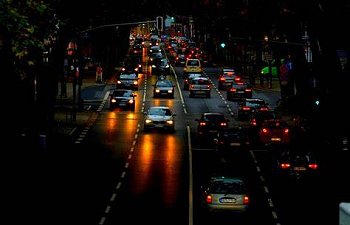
[
  {"x": 275, "y": 139},
  {"x": 299, "y": 168},
  {"x": 235, "y": 144},
  {"x": 227, "y": 200},
  {"x": 212, "y": 131},
  {"x": 240, "y": 92}
]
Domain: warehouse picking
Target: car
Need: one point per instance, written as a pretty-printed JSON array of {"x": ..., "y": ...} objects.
[
  {"x": 260, "y": 115},
  {"x": 296, "y": 163},
  {"x": 200, "y": 86},
  {"x": 225, "y": 193},
  {"x": 210, "y": 123},
  {"x": 155, "y": 48},
  {"x": 161, "y": 67},
  {"x": 122, "y": 98},
  {"x": 274, "y": 132},
  {"x": 163, "y": 88},
  {"x": 226, "y": 78},
  {"x": 249, "y": 105},
  {"x": 155, "y": 56},
  {"x": 238, "y": 91},
  {"x": 128, "y": 81},
  {"x": 180, "y": 60},
  {"x": 232, "y": 139},
  {"x": 189, "y": 77},
  {"x": 159, "y": 117},
  {"x": 131, "y": 65},
  {"x": 192, "y": 66}
]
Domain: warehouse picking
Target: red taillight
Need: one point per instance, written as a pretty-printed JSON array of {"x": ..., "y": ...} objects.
[
  {"x": 248, "y": 90},
  {"x": 223, "y": 124},
  {"x": 264, "y": 130},
  {"x": 209, "y": 199},
  {"x": 313, "y": 166},
  {"x": 245, "y": 200},
  {"x": 222, "y": 78},
  {"x": 237, "y": 79},
  {"x": 202, "y": 124},
  {"x": 284, "y": 165},
  {"x": 246, "y": 108},
  {"x": 233, "y": 89},
  {"x": 286, "y": 131}
]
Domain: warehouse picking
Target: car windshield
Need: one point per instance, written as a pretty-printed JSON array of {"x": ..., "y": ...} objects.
[
  {"x": 121, "y": 93},
  {"x": 193, "y": 63},
  {"x": 200, "y": 81},
  {"x": 164, "y": 83},
  {"x": 214, "y": 117},
  {"x": 220, "y": 187},
  {"x": 128, "y": 76},
  {"x": 160, "y": 111}
]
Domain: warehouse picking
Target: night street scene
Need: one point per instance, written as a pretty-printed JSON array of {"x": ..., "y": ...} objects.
[{"x": 175, "y": 112}]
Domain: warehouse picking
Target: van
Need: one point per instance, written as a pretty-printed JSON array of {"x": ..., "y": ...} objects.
[{"x": 192, "y": 66}]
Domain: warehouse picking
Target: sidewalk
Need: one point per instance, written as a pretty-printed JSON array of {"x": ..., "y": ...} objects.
[{"x": 68, "y": 117}]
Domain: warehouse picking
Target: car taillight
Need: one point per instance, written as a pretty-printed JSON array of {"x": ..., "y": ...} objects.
[
  {"x": 202, "y": 124},
  {"x": 246, "y": 108},
  {"x": 233, "y": 89},
  {"x": 245, "y": 200},
  {"x": 248, "y": 90},
  {"x": 286, "y": 131},
  {"x": 264, "y": 130},
  {"x": 284, "y": 165},
  {"x": 222, "y": 78},
  {"x": 223, "y": 124},
  {"x": 209, "y": 199},
  {"x": 253, "y": 122},
  {"x": 313, "y": 166}
]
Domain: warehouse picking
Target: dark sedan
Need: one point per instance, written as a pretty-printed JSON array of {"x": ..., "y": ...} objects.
[
  {"x": 296, "y": 163},
  {"x": 122, "y": 98},
  {"x": 163, "y": 88},
  {"x": 232, "y": 140},
  {"x": 210, "y": 123},
  {"x": 239, "y": 90},
  {"x": 128, "y": 81}
]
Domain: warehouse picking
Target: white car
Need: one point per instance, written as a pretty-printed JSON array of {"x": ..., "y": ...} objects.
[{"x": 159, "y": 117}]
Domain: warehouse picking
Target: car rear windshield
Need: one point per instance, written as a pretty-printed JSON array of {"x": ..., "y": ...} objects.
[{"x": 227, "y": 188}]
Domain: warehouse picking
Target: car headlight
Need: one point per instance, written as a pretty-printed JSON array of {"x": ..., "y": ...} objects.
[
  {"x": 114, "y": 101},
  {"x": 157, "y": 90},
  {"x": 170, "y": 91},
  {"x": 170, "y": 122},
  {"x": 148, "y": 121},
  {"x": 131, "y": 101},
  {"x": 153, "y": 66}
]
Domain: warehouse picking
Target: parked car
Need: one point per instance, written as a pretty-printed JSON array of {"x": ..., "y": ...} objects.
[
  {"x": 159, "y": 117},
  {"x": 223, "y": 193},
  {"x": 122, "y": 98}
]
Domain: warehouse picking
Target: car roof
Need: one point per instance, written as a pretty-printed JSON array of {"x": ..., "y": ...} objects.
[{"x": 226, "y": 179}]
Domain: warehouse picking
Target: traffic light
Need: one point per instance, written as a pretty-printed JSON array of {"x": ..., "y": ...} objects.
[{"x": 159, "y": 21}]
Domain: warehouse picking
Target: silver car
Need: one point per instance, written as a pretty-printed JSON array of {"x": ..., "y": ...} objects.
[
  {"x": 223, "y": 193},
  {"x": 159, "y": 117}
]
